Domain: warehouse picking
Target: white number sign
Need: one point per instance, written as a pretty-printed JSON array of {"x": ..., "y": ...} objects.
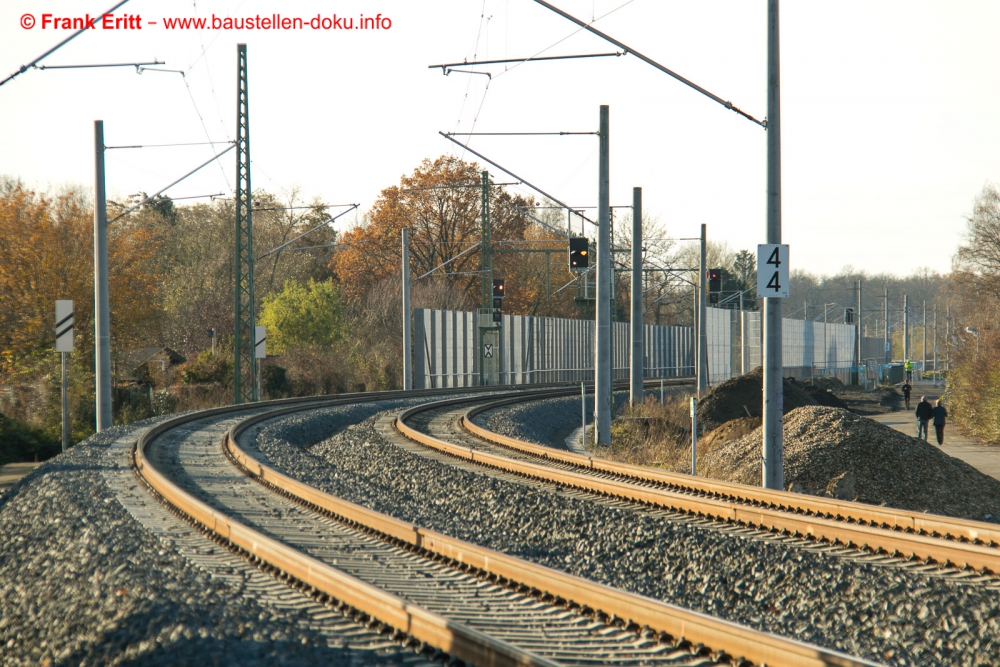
[{"x": 772, "y": 271}]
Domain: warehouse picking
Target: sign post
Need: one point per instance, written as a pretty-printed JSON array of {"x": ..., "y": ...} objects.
[
  {"x": 694, "y": 436},
  {"x": 64, "y": 345},
  {"x": 259, "y": 352}
]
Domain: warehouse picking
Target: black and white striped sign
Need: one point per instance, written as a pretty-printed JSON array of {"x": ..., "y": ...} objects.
[
  {"x": 260, "y": 343},
  {"x": 64, "y": 326}
]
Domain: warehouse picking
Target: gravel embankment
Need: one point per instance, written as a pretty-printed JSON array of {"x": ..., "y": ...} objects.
[
  {"x": 550, "y": 421},
  {"x": 829, "y": 451},
  {"x": 84, "y": 583},
  {"x": 881, "y": 613}
]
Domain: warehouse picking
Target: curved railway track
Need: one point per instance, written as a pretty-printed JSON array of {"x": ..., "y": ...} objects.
[
  {"x": 931, "y": 539},
  {"x": 420, "y": 587}
]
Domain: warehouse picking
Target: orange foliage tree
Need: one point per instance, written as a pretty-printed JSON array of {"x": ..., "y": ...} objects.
[
  {"x": 48, "y": 254},
  {"x": 443, "y": 216}
]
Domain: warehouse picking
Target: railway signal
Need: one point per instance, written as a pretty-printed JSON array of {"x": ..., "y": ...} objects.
[
  {"x": 498, "y": 289},
  {"x": 715, "y": 280},
  {"x": 849, "y": 316},
  {"x": 579, "y": 253}
]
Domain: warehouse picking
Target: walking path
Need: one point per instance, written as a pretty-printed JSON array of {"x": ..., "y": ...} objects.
[
  {"x": 986, "y": 458},
  {"x": 12, "y": 472}
]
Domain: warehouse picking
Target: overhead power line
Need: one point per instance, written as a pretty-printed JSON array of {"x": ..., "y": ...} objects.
[
  {"x": 649, "y": 61},
  {"x": 514, "y": 134},
  {"x": 24, "y": 68},
  {"x": 138, "y": 66},
  {"x": 161, "y": 191},
  {"x": 446, "y": 66},
  {"x": 507, "y": 171},
  {"x": 310, "y": 231},
  {"x": 192, "y": 143}
]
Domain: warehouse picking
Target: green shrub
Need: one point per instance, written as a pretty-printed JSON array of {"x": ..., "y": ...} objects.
[
  {"x": 207, "y": 368},
  {"x": 20, "y": 442}
]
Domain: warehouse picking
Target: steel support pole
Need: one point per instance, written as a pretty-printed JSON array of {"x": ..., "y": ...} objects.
[
  {"x": 65, "y": 405},
  {"x": 773, "y": 476},
  {"x": 935, "y": 347},
  {"x": 702, "y": 372},
  {"x": 637, "y": 357},
  {"x": 859, "y": 349},
  {"x": 602, "y": 370},
  {"x": 947, "y": 340},
  {"x": 245, "y": 387},
  {"x": 102, "y": 325},
  {"x": 743, "y": 338},
  {"x": 906, "y": 327},
  {"x": 923, "y": 358},
  {"x": 694, "y": 437},
  {"x": 407, "y": 351},
  {"x": 885, "y": 326}
]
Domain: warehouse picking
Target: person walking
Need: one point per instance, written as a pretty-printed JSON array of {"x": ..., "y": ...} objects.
[
  {"x": 906, "y": 393},
  {"x": 908, "y": 367},
  {"x": 940, "y": 415},
  {"x": 924, "y": 413}
]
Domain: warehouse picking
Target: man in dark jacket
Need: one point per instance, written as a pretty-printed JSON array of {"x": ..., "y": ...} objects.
[
  {"x": 940, "y": 414},
  {"x": 906, "y": 393},
  {"x": 924, "y": 412}
]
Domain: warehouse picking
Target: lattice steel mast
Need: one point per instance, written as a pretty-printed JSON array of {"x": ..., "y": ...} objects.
[{"x": 244, "y": 368}]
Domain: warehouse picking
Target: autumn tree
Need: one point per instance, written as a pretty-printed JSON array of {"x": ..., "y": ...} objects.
[
  {"x": 440, "y": 204},
  {"x": 200, "y": 252},
  {"x": 48, "y": 255}
]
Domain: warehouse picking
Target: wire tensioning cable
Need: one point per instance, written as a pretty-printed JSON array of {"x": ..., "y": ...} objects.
[
  {"x": 444, "y": 67},
  {"x": 649, "y": 61},
  {"x": 24, "y": 68},
  {"x": 507, "y": 171},
  {"x": 439, "y": 266},
  {"x": 192, "y": 143},
  {"x": 322, "y": 224},
  {"x": 149, "y": 198},
  {"x": 138, "y": 66}
]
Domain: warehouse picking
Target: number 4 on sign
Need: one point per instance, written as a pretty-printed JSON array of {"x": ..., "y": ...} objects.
[{"x": 772, "y": 271}]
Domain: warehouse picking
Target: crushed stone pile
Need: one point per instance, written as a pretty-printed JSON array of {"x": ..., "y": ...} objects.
[
  {"x": 742, "y": 396},
  {"x": 832, "y": 452},
  {"x": 732, "y": 429}
]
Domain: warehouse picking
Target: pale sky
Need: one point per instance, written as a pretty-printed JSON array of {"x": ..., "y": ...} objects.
[{"x": 889, "y": 109}]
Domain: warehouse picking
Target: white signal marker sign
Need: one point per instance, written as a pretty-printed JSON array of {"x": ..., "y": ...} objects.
[
  {"x": 260, "y": 342},
  {"x": 772, "y": 271},
  {"x": 64, "y": 326}
]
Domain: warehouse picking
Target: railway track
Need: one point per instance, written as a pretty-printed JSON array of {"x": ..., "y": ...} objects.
[
  {"x": 970, "y": 546},
  {"x": 420, "y": 587}
]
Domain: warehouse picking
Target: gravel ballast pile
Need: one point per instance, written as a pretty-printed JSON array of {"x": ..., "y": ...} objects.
[
  {"x": 826, "y": 446},
  {"x": 742, "y": 396},
  {"x": 881, "y": 613},
  {"x": 84, "y": 583}
]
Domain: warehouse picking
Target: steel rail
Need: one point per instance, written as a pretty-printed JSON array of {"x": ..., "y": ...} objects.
[
  {"x": 722, "y": 638},
  {"x": 782, "y": 517},
  {"x": 415, "y": 621},
  {"x": 935, "y": 539},
  {"x": 962, "y": 542}
]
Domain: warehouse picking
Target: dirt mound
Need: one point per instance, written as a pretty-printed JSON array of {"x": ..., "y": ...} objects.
[
  {"x": 830, "y": 451},
  {"x": 732, "y": 429},
  {"x": 831, "y": 383},
  {"x": 824, "y": 397},
  {"x": 743, "y": 396}
]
